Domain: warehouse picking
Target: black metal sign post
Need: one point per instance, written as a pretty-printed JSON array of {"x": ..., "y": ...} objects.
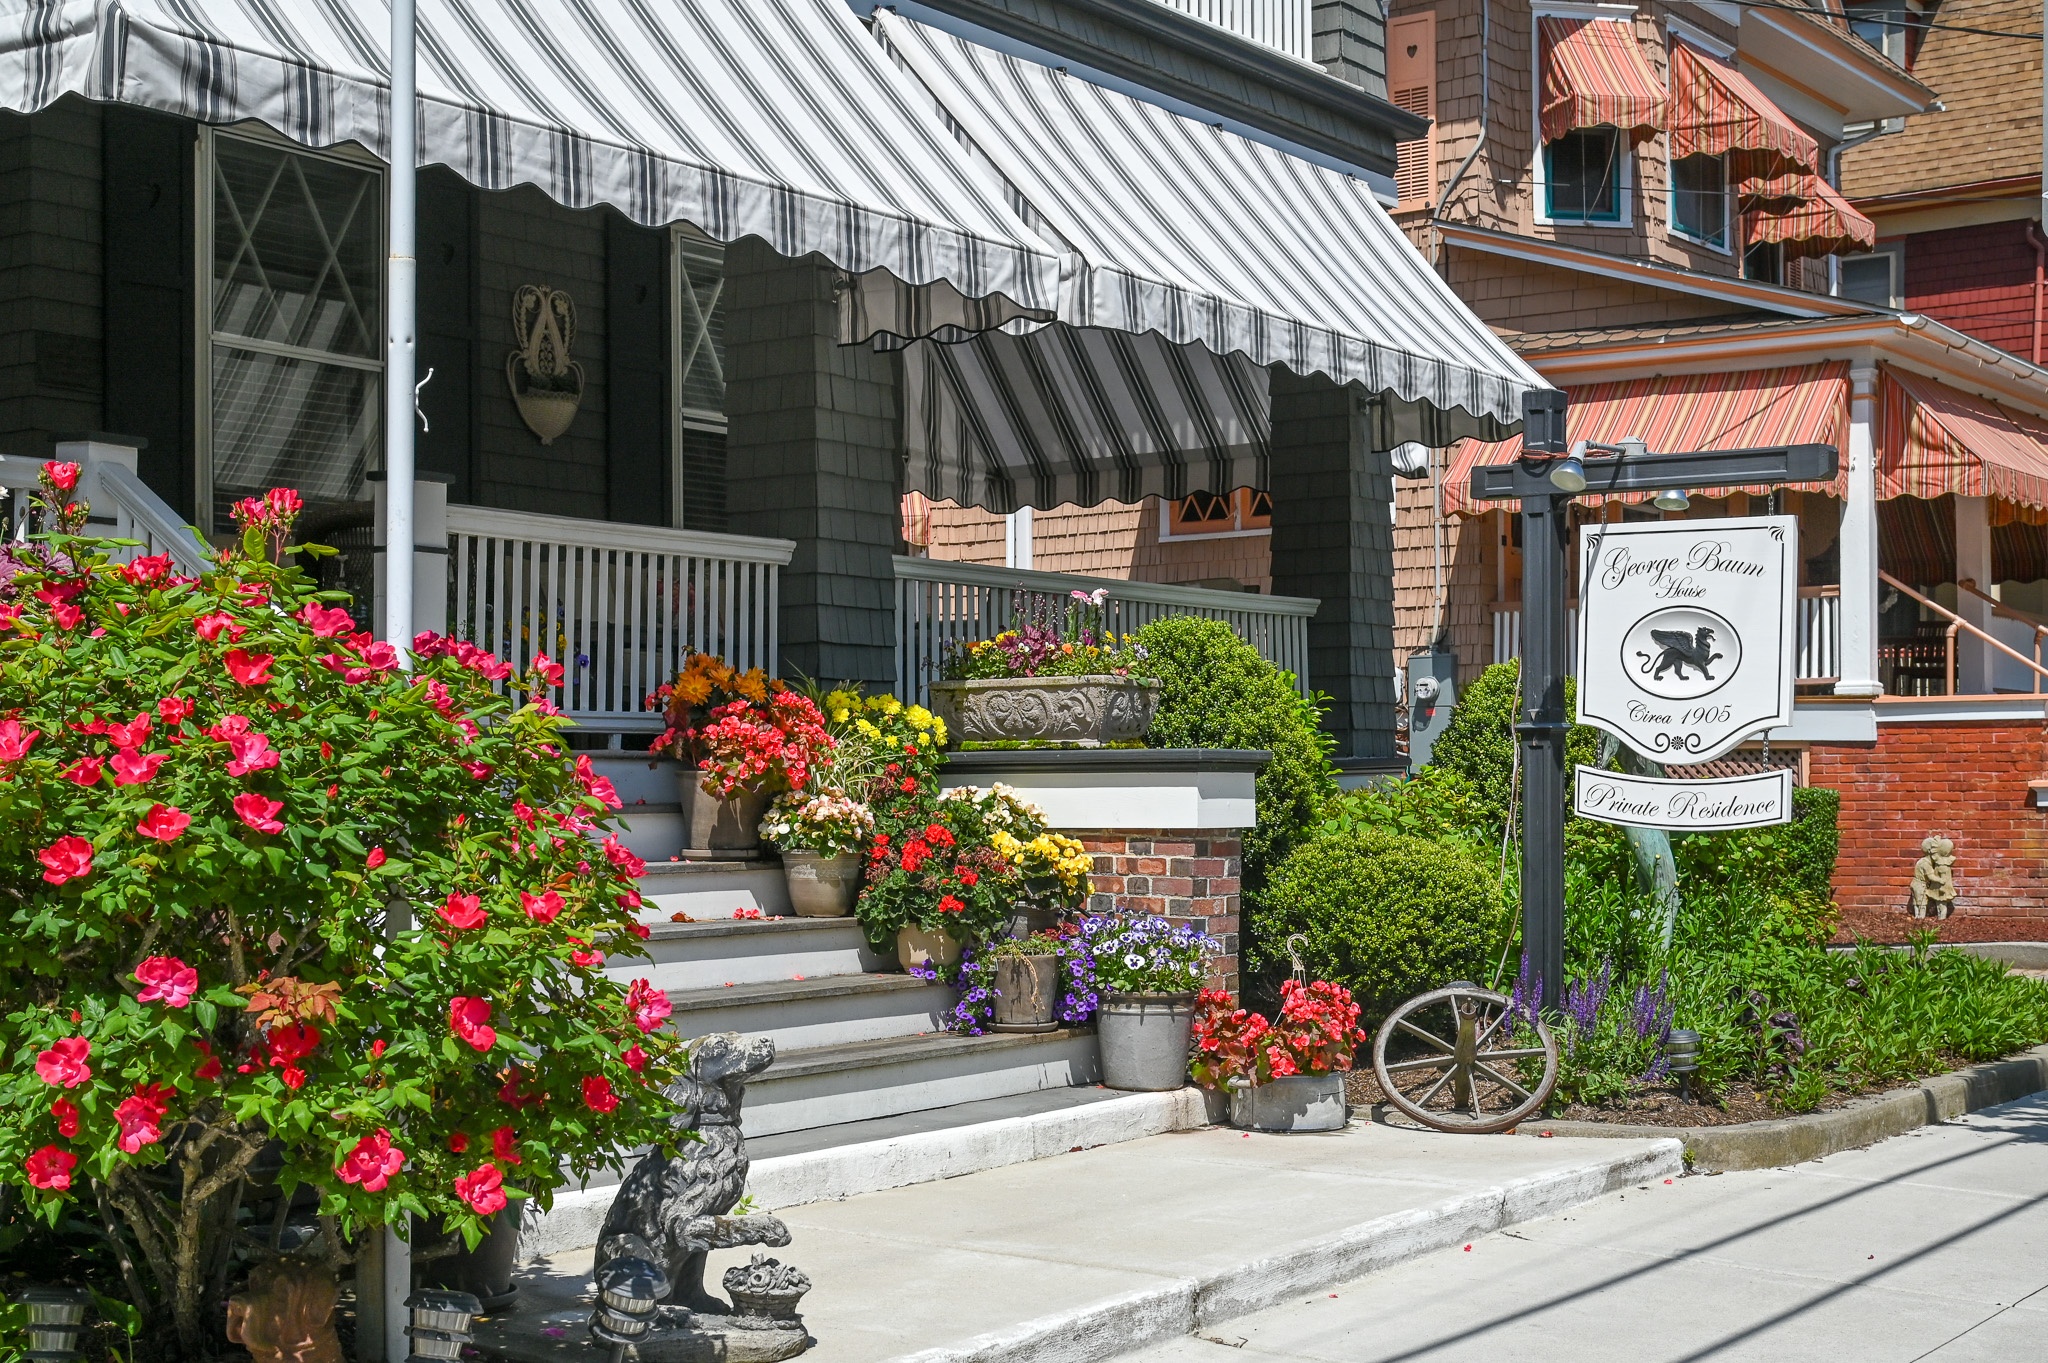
[{"x": 1546, "y": 482}]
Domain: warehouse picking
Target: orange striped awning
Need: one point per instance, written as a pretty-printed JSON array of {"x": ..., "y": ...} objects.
[
  {"x": 1820, "y": 224},
  {"x": 1594, "y": 76},
  {"x": 1794, "y": 405},
  {"x": 1715, "y": 109},
  {"x": 1934, "y": 440}
]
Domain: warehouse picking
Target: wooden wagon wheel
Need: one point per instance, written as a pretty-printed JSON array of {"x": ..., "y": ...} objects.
[{"x": 1460, "y": 1059}]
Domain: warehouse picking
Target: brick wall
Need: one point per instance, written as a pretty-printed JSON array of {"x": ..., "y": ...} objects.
[
  {"x": 1185, "y": 876},
  {"x": 1979, "y": 280},
  {"x": 1963, "y": 781}
]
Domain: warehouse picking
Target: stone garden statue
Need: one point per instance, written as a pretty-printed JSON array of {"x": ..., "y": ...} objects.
[{"x": 1934, "y": 877}]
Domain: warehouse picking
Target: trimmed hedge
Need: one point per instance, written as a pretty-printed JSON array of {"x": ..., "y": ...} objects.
[
  {"x": 1479, "y": 742},
  {"x": 1791, "y": 864}
]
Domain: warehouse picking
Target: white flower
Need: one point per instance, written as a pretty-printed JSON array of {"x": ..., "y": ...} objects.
[{"x": 1135, "y": 962}]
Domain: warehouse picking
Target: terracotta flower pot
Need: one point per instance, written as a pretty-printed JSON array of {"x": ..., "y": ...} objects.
[
  {"x": 714, "y": 826},
  {"x": 1027, "y": 993},
  {"x": 821, "y": 886},
  {"x": 917, "y": 946}
]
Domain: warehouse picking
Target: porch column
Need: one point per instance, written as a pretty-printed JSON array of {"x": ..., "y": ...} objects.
[
  {"x": 1859, "y": 541},
  {"x": 814, "y": 454},
  {"x": 1333, "y": 539},
  {"x": 1974, "y": 657}
]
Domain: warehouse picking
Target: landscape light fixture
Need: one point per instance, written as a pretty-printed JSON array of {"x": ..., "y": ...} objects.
[
  {"x": 441, "y": 1324},
  {"x": 1671, "y": 499},
  {"x": 1682, "y": 1057},
  {"x": 629, "y": 1294},
  {"x": 56, "y": 1315}
]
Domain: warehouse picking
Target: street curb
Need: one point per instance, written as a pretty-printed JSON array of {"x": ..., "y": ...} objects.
[
  {"x": 1866, "y": 1121},
  {"x": 1106, "y": 1329}
]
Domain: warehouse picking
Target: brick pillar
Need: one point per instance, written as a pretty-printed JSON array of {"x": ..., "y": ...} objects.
[
  {"x": 813, "y": 454},
  {"x": 1185, "y": 875},
  {"x": 1333, "y": 538}
]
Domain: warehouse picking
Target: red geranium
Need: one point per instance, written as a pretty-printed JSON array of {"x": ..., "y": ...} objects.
[
  {"x": 483, "y": 1189},
  {"x": 50, "y": 1168}
]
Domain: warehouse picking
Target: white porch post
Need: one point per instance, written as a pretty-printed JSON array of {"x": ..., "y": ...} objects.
[
  {"x": 1974, "y": 657},
  {"x": 1859, "y": 541},
  {"x": 1017, "y": 538}
]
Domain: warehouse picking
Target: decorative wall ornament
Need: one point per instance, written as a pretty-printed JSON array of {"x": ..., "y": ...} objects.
[
  {"x": 1934, "y": 877},
  {"x": 547, "y": 386}
]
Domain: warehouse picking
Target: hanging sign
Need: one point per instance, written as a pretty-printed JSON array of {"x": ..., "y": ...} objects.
[
  {"x": 1752, "y": 801},
  {"x": 1688, "y": 632}
]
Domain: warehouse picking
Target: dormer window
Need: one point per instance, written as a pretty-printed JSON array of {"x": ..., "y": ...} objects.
[
  {"x": 1598, "y": 97},
  {"x": 1582, "y": 176},
  {"x": 1699, "y": 199}
]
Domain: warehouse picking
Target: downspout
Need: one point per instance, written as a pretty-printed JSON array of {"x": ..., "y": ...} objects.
[
  {"x": 1834, "y": 178},
  {"x": 2040, "y": 279},
  {"x": 1485, "y": 103},
  {"x": 1436, "y": 530}
]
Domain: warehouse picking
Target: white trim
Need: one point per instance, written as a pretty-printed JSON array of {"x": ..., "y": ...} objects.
[
  {"x": 536, "y": 528},
  {"x": 1893, "y": 252},
  {"x": 1123, "y": 799},
  {"x": 1828, "y": 724},
  {"x": 1962, "y": 709},
  {"x": 1677, "y": 28},
  {"x": 1017, "y": 539},
  {"x": 1567, "y": 9}
]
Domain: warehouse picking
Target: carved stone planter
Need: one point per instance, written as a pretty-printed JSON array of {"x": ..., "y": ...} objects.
[
  {"x": 713, "y": 827},
  {"x": 821, "y": 886},
  {"x": 1084, "y": 711}
]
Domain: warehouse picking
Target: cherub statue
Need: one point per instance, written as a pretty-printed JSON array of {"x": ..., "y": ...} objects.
[
  {"x": 1934, "y": 877},
  {"x": 286, "y": 1314}
]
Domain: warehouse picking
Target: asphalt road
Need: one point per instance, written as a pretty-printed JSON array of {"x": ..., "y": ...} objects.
[{"x": 1932, "y": 1245}]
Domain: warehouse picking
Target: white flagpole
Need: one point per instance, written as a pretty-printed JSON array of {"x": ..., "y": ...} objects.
[{"x": 400, "y": 356}]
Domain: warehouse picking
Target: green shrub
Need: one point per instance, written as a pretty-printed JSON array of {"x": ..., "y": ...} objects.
[
  {"x": 1436, "y": 804},
  {"x": 1386, "y": 916},
  {"x": 1792, "y": 865},
  {"x": 1479, "y": 742}
]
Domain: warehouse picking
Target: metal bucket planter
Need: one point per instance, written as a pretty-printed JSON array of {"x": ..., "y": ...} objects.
[
  {"x": 1084, "y": 711},
  {"x": 1299, "y": 1102},
  {"x": 821, "y": 886},
  {"x": 713, "y": 827},
  {"x": 917, "y": 946},
  {"x": 1027, "y": 993},
  {"x": 1144, "y": 1040}
]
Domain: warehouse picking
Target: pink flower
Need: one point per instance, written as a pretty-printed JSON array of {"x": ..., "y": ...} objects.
[
  {"x": 67, "y": 616},
  {"x": 66, "y": 859},
  {"x": 14, "y": 744},
  {"x": 164, "y": 823},
  {"x": 250, "y": 669},
  {"x": 580, "y": 956},
  {"x": 597, "y": 1093},
  {"x": 373, "y": 1162},
  {"x": 647, "y": 1006},
  {"x": 470, "y": 1019},
  {"x": 63, "y": 476},
  {"x": 141, "y": 1116},
  {"x": 480, "y": 770},
  {"x": 50, "y": 1168},
  {"x": 599, "y": 787},
  {"x": 228, "y": 728},
  {"x": 483, "y": 1190},
  {"x": 463, "y": 911},
  {"x": 63, "y": 1065},
  {"x": 325, "y": 622},
  {"x": 283, "y": 503},
  {"x": 550, "y": 671},
  {"x": 635, "y": 1059},
  {"x": 174, "y": 710},
  {"x": 86, "y": 771},
  {"x": 374, "y": 860},
  {"x": 541, "y": 908},
  {"x": 259, "y": 813},
  {"x": 66, "y": 1113},
  {"x": 132, "y": 768},
  {"x": 628, "y": 864},
  {"x": 166, "y": 978},
  {"x": 210, "y": 627},
  {"x": 149, "y": 568},
  {"x": 133, "y": 734},
  {"x": 505, "y": 1145},
  {"x": 250, "y": 752}
]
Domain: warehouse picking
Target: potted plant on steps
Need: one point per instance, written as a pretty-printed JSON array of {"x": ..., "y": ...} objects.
[
  {"x": 1283, "y": 1075},
  {"x": 1055, "y": 678},
  {"x": 743, "y": 738},
  {"x": 935, "y": 881},
  {"x": 1052, "y": 873},
  {"x": 1148, "y": 972},
  {"x": 821, "y": 838}
]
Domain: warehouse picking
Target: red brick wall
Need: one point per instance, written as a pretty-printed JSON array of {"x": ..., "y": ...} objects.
[
  {"x": 1964, "y": 781},
  {"x": 1979, "y": 280},
  {"x": 1186, "y": 876}
]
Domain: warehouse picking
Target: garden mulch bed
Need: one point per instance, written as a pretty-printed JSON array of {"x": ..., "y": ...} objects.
[{"x": 1893, "y": 926}]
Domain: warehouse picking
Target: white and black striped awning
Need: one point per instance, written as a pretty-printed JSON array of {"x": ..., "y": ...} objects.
[{"x": 772, "y": 118}]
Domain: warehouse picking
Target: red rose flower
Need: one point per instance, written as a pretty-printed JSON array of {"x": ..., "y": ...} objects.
[
  {"x": 63, "y": 475},
  {"x": 250, "y": 752},
  {"x": 597, "y": 1093},
  {"x": 483, "y": 1190},
  {"x": 647, "y": 1006},
  {"x": 64, "y": 1063},
  {"x": 250, "y": 669},
  {"x": 290, "y": 1042},
  {"x": 50, "y": 1168},
  {"x": 164, "y": 823},
  {"x": 463, "y": 911},
  {"x": 66, "y": 1113},
  {"x": 258, "y": 812},
  {"x": 86, "y": 771},
  {"x": 132, "y": 768},
  {"x": 459, "y": 1142},
  {"x": 323, "y": 621},
  {"x": 168, "y": 979},
  {"x": 541, "y": 908},
  {"x": 634, "y": 1058},
  {"x": 141, "y": 1116},
  {"x": 211, "y": 627},
  {"x": 372, "y": 1163},
  {"x": 374, "y": 860},
  {"x": 133, "y": 734},
  {"x": 210, "y": 1067},
  {"x": 470, "y": 1019},
  {"x": 174, "y": 710},
  {"x": 14, "y": 744},
  {"x": 505, "y": 1145}
]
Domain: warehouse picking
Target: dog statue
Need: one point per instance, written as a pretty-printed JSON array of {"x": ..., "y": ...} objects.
[{"x": 671, "y": 1209}]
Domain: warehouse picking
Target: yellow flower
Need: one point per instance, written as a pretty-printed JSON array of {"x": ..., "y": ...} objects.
[
  {"x": 893, "y": 741},
  {"x": 839, "y": 715},
  {"x": 939, "y": 728},
  {"x": 693, "y": 689},
  {"x": 867, "y": 729},
  {"x": 919, "y": 717},
  {"x": 891, "y": 706}
]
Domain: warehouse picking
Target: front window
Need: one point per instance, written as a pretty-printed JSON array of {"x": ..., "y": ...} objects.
[
  {"x": 700, "y": 379},
  {"x": 293, "y": 302},
  {"x": 1246, "y": 511},
  {"x": 1765, "y": 263},
  {"x": 1874, "y": 278},
  {"x": 1699, "y": 199},
  {"x": 1582, "y": 176}
]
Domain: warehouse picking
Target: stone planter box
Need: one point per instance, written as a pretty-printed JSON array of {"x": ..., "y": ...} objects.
[
  {"x": 1300, "y": 1102},
  {"x": 1087, "y": 712}
]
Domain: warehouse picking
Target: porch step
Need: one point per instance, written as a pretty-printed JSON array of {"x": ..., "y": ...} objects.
[
  {"x": 858, "y": 1081},
  {"x": 711, "y": 955},
  {"x": 815, "y": 1012},
  {"x": 709, "y": 889}
]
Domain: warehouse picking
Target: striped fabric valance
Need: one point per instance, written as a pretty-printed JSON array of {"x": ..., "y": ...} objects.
[
  {"x": 1594, "y": 75},
  {"x": 741, "y": 117},
  {"x": 1934, "y": 440},
  {"x": 1204, "y": 237},
  {"x": 1715, "y": 109},
  {"x": 1795, "y": 405},
  {"x": 1820, "y": 223}
]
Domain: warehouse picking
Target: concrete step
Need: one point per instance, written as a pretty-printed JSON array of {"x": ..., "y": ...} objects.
[
  {"x": 815, "y": 1011},
  {"x": 711, "y": 889},
  {"x": 653, "y": 830},
  {"x": 711, "y": 955},
  {"x": 860, "y": 1080}
]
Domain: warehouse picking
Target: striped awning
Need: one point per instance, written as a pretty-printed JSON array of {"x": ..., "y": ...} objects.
[
  {"x": 1594, "y": 75},
  {"x": 1820, "y": 223},
  {"x": 1934, "y": 440},
  {"x": 1715, "y": 109},
  {"x": 1200, "y": 236},
  {"x": 741, "y": 117},
  {"x": 1798, "y": 404}
]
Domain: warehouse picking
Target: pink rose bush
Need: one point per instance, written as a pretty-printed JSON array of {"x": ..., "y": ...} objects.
[{"x": 274, "y": 887}]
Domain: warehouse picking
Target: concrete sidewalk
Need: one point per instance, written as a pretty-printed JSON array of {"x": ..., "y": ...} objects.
[
  {"x": 1094, "y": 1253},
  {"x": 1931, "y": 1246}
]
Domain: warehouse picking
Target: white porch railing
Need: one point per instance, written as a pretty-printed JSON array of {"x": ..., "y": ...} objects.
[
  {"x": 1820, "y": 633},
  {"x": 616, "y": 605},
  {"x": 1284, "y": 24},
  {"x": 940, "y": 603},
  {"x": 123, "y": 506},
  {"x": 1507, "y": 633}
]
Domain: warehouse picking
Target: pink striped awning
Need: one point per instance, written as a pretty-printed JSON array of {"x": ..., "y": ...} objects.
[
  {"x": 1821, "y": 223},
  {"x": 1594, "y": 76},
  {"x": 1715, "y": 109},
  {"x": 1934, "y": 440},
  {"x": 1795, "y": 405}
]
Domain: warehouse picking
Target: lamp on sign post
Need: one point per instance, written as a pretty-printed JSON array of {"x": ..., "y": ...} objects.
[{"x": 1542, "y": 479}]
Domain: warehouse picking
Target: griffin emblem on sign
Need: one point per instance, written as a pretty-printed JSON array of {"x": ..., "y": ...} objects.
[{"x": 1680, "y": 651}]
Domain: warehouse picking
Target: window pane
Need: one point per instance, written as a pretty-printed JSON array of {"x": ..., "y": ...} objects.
[
  {"x": 1581, "y": 174},
  {"x": 1699, "y": 198},
  {"x": 1868, "y": 279},
  {"x": 1764, "y": 262},
  {"x": 289, "y": 423},
  {"x": 701, "y": 328},
  {"x": 297, "y": 249},
  {"x": 703, "y": 479}
]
